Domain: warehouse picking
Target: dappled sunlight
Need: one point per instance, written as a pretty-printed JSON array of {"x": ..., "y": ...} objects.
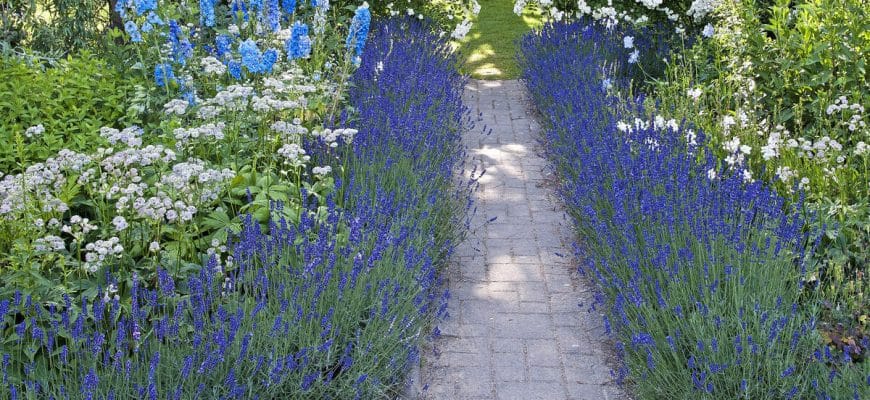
[{"x": 481, "y": 53}]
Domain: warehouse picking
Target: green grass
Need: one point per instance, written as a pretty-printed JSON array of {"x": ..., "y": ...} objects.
[{"x": 489, "y": 49}]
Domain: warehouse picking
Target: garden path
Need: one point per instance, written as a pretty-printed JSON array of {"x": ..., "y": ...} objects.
[{"x": 518, "y": 326}]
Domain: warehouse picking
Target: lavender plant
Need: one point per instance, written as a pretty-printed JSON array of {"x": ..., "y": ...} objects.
[{"x": 702, "y": 275}]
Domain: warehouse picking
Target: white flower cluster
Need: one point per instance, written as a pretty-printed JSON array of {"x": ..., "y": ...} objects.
[
  {"x": 35, "y": 130},
  {"x": 701, "y": 8},
  {"x": 175, "y": 106},
  {"x": 99, "y": 251},
  {"x": 294, "y": 154},
  {"x": 842, "y": 105},
  {"x": 78, "y": 227},
  {"x": 117, "y": 163},
  {"x": 137, "y": 185},
  {"x": 293, "y": 130},
  {"x": 268, "y": 102},
  {"x": 39, "y": 185},
  {"x": 736, "y": 152},
  {"x": 194, "y": 182},
  {"x": 774, "y": 143},
  {"x": 694, "y": 94},
  {"x": 331, "y": 136},
  {"x": 611, "y": 15},
  {"x": 213, "y": 66},
  {"x": 321, "y": 171},
  {"x": 234, "y": 97},
  {"x": 658, "y": 123},
  {"x": 220, "y": 252},
  {"x": 49, "y": 243},
  {"x": 461, "y": 29},
  {"x": 131, "y": 136},
  {"x": 210, "y": 131}
]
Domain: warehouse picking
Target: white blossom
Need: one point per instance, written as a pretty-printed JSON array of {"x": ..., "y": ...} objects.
[
  {"x": 708, "y": 31},
  {"x": 120, "y": 223},
  {"x": 34, "y": 131}
]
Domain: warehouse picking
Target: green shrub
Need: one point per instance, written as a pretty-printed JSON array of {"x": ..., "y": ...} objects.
[
  {"x": 53, "y": 26},
  {"x": 71, "y": 101}
]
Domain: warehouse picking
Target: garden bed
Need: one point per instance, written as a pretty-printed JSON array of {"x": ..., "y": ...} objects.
[
  {"x": 311, "y": 203},
  {"x": 703, "y": 275}
]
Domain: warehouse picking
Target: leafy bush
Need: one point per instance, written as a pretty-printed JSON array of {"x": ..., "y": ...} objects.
[
  {"x": 703, "y": 276},
  {"x": 684, "y": 14},
  {"x": 71, "y": 100},
  {"x": 331, "y": 308},
  {"x": 53, "y": 26}
]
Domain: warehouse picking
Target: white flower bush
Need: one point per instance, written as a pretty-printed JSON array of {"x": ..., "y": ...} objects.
[{"x": 682, "y": 13}]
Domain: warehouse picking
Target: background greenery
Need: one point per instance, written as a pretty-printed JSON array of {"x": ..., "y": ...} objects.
[{"x": 72, "y": 99}]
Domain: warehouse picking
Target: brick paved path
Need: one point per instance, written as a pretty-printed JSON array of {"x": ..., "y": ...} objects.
[{"x": 519, "y": 326}]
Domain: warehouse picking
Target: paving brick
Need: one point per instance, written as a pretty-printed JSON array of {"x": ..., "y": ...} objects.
[
  {"x": 546, "y": 374},
  {"x": 529, "y": 391},
  {"x": 543, "y": 352}
]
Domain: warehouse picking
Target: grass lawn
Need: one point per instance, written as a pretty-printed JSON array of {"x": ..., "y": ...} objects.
[{"x": 489, "y": 49}]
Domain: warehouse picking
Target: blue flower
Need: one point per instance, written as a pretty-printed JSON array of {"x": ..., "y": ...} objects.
[
  {"x": 251, "y": 55},
  {"x": 240, "y": 6},
  {"x": 121, "y": 8},
  {"x": 359, "y": 29},
  {"x": 133, "y": 31},
  {"x": 206, "y": 12},
  {"x": 182, "y": 49},
  {"x": 235, "y": 69},
  {"x": 163, "y": 75},
  {"x": 273, "y": 14},
  {"x": 154, "y": 19},
  {"x": 299, "y": 44},
  {"x": 270, "y": 56},
  {"x": 142, "y": 6},
  {"x": 289, "y": 6},
  {"x": 222, "y": 45},
  {"x": 89, "y": 385}
]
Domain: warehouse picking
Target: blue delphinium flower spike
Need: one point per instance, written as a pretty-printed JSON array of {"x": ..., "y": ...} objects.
[
  {"x": 143, "y": 6},
  {"x": 299, "y": 44},
  {"x": 273, "y": 15},
  {"x": 163, "y": 74},
  {"x": 270, "y": 56},
  {"x": 289, "y": 6},
  {"x": 251, "y": 55},
  {"x": 206, "y": 12},
  {"x": 235, "y": 69},
  {"x": 359, "y": 29}
]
